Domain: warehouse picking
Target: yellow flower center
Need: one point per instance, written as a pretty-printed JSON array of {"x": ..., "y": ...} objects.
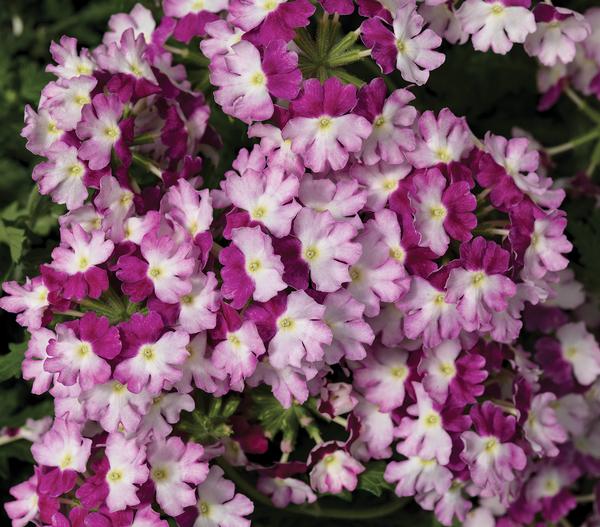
[
  {"x": 82, "y": 69},
  {"x": 329, "y": 459},
  {"x": 118, "y": 387},
  {"x": 439, "y": 299},
  {"x": 81, "y": 100},
  {"x": 432, "y": 420},
  {"x": 397, "y": 253},
  {"x": 155, "y": 272},
  {"x": 259, "y": 212},
  {"x": 399, "y": 372},
  {"x": 204, "y": 508},
  {"x": 438, "y": 212},
  {"x": 379, "y": 122},
  {"x": 187, "y": 299},
  {"x": 447, "y": 369},
  {"x": 83, "y": 263},
  {"x": 114, "y": 476},
  {"x": 286, "y": 324},
  {"x": 311, "y": 252},
  {"x": 126, "y": 199},
  {"x": 136, "y": 70},
  {"x": 478, "y": 278},
  {"x": 111, "y": 132},
  {"x": 52, "y": 128},
  {"x": 269, "y": 5},
  {"x": 389, "y": 184},
  {"x": 147, "y": 352},
  {"x": 234, "y": 339},
  {"x": 491, "y": 444},
  {"x": 355, "y": 274},
  {"x": 83, "y": 349},
  {"x": 66, "y": 461},
  {"x": 324, "y": 123},
  {"x": 497, "y": 9},
  {"x": 570, "y": 352},
  {"x": 159, "y": 474},
  {"x": 75, "y": 170},
  {"x": 258, "y": 79},
  {"x": 254, "y": 266},
  {"x": 400, "y": 45}
]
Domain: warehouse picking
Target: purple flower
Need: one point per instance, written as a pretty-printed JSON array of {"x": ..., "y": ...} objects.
[
  {"x": 264, "y": 22},
  {"x": 321, "y": 128},
  {"x": 489, "y": 453},
  {"x": 246, "y": 82},
  {"x": 81, "y": 349},
  {"x": 408, "y": 48}
]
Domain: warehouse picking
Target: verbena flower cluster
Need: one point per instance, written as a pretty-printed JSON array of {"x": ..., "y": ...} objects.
[{"x": 376, "y": 270}]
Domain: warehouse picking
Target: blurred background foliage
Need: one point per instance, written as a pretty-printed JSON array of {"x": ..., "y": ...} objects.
[{"x": 496, "y": 93}]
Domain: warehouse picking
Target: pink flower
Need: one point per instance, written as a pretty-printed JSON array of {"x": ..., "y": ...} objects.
[
  {"x": 266, "y": 196},
  {"x": 382, "y": 376},
  {"x": 417, "y": 475},
  {"x": 127, "y": 471},
  {"x": 25, "y": 507},
  {"x": 542, "y": 428},
  {"x": 296, "y": 324},
  {"x": 337, "y": 399},
  {"x": 116, "y": 205},
  {"x": 277, "y": 149},
  {"x": 239, "y": 348},
  {"x": 376, "y": 433},
  {"x": 441, "y": 140},
  {"x": 64, "y": 99},
  {"x": 35, "y": 356},
  {"x": 479, "y": 288},
  {"x": 165, "y": 270},
  {"x": 145, "y": 516},
  {"x": 151, "y": 357},
  {"x": 392, "y": 119},
  {"x": 41, "y": 130},
  {"x": 164, "y": 411},
  {"x": 442, "y": 19},
  {"x": 99, "y": 130},
  {"x": 79, "y": 351},
  {"x": 376, "y": 276},
  {"x": 489, "y": 453},
  {"x": 408, "y": 48},
  {"x": 575, "y": 354},
  {"x": 424, "y": 436},
  {"x": 199, "y": 368},
  {"x": 429, "y": 313},
  {"x": 30, "y": 301},
  {"x": 198, "y": 308},
  {"x": 74, "y": 264},
  {"x": 344, "y": 197},
  {"x": 442, "y": 210},
  {"x": 326, "y": 248},
  {"x": 139, "y": 19},
  {"x": 62, "y": 176},
  {"x": 335, "y": 471},
  {"x": 63, "y": 447},
  {"x": 381, "y": 181},
  {"x": 519, "y": 177},
  {"x": 265, "y": 22},
  {"x": 344, "y": 316},
  {"x": 221, "y": 37},
  {"x": 321, "y": 129},
  {"x": 113, "y": 406},
  {"x": 174, "y": 466},
  {"x": 189, "y": 208},
  {"x": 448, "y": 377},
  {"x": 497, "y": 24},
  {"x": 284, "y": 491},
  {"x": 558, "y": 31},
  {"x": 246, "y": 82},
  {"x": 193, "y": 16},
  {"x": 70, "y": 64},
  {"x": 218, "y": 504},
  {"x": 546, "y": 248},
  {"x": 250, "y": 267}
]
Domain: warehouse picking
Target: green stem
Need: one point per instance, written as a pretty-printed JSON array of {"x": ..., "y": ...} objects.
[
  {"x": 573, "y": 143},
  {"x": 146, "y": 163},
  {"x": 314, "y": 510},
  {"x": 188, "y": 55},
  {"x": 348, "y": 58},
  {"x": 588, "y": 498},
  {"x": 593, "y": 114},
  {"x": 145, "y": 139},
  {"x": 594, "y": 161},
  {"x": 348, "y": 77}
]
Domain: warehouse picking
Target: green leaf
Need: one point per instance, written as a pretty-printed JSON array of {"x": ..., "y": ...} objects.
[
  {"x": 10, "y": 364},
  {"x": 273, "y": 417},
  {"x": 371, "y": 480},
  {"x": 14, "y": 238},
  {"x": 18, "y": 450}
]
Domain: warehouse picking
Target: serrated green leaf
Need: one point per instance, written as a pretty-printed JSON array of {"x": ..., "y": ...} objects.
[
  {"x": 371, "y": 480},
  {"x": 10, "y": 363},
  {"x": 14, "y": 238}
]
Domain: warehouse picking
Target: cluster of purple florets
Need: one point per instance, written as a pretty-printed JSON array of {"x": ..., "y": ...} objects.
[{"x": 369, "y": 262}]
